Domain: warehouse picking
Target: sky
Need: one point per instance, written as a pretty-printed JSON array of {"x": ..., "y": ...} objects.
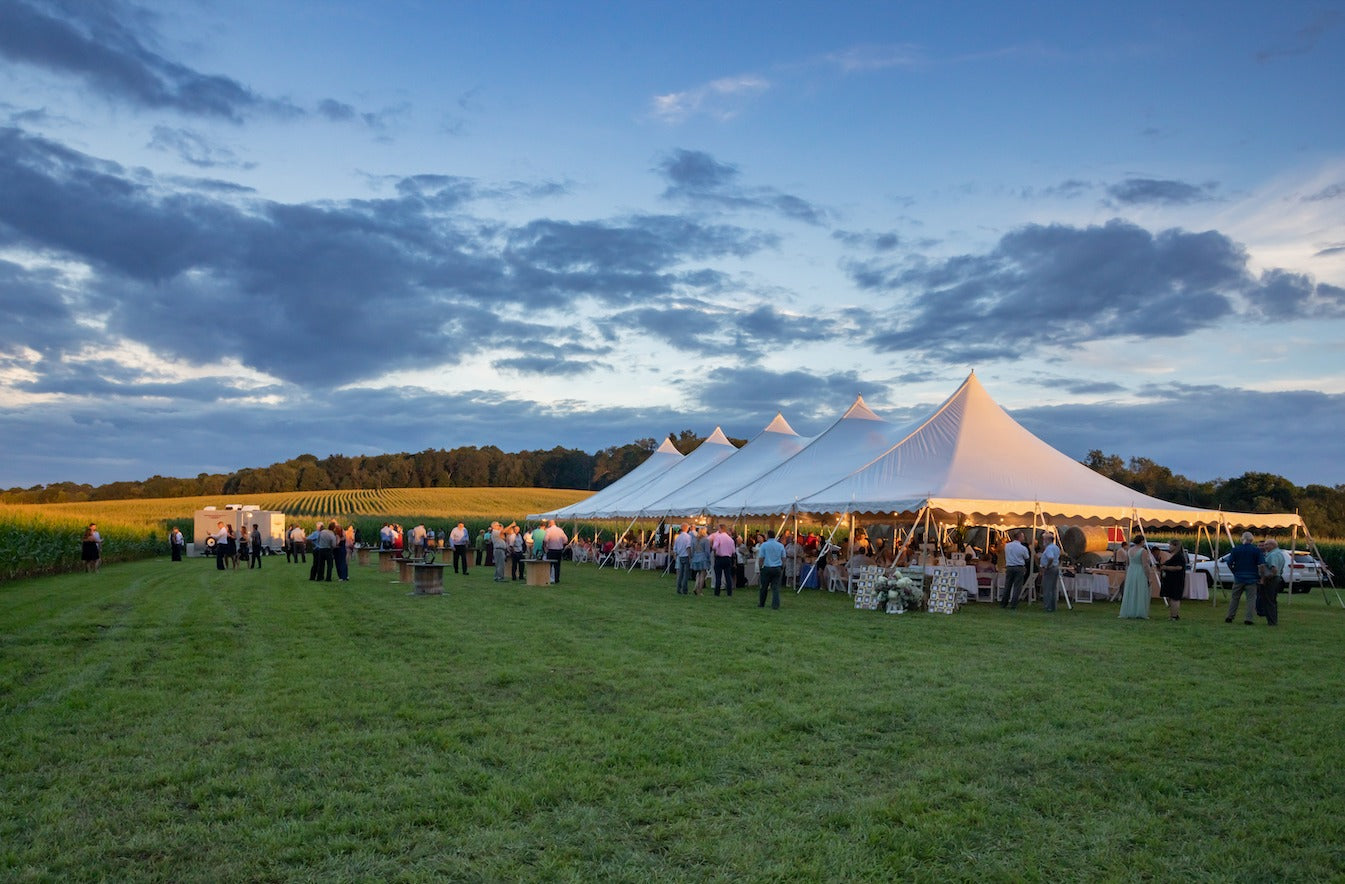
[{"x": 235, "y": 232}]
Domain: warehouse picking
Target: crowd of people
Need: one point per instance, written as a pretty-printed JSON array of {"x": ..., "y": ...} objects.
[{"x": 705, "y": 559}]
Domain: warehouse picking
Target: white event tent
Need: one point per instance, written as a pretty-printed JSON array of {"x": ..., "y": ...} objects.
[
  {"x": 854, "y": 439},
  {"x": 769, "y": 448},
  {"x": 636, "y": 502},
  {"x": 969, "y": 459},
  {"x": 664, "y": 458}
]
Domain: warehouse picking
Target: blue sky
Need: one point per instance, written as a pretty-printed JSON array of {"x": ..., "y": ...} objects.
[{"x": 231, "y": 233}]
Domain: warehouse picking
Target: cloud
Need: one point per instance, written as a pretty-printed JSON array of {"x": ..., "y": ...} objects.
[
  {"x": 541, "y": 356},
  {"x": 884, "y": 241},
  {"x": 747, "y": 397},
  {"x": 622, "y": 262},
  {"x": 1304, "y": 39},
  {"x": 32, "y": 318},
  {"x": 1156, "y": 191},
  {"x": 719, "y": 99},
  {"x": 1331, "y": 192},
  {"x": 196, "y": 149},
  {"x": 549, "y": 365},
  {"x": 133, "y": 439},
  {"x": 876, "y": 57},
  {"x": 93, "y": 42},
  {"x": 698, "y": 178},
  {"x": 1068, "y": 189},
  {"x": 1192, "y": 416},
  {"x": 333, "y": 293},
  {"x": 1057, "y": 286},
  {"x": 702, "y": 327},
  {"x": 1294, "y": 295}
]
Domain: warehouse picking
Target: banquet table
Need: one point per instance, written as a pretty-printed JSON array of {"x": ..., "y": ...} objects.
[
  {"x": 1088, "y": 586},
  {"x": 966, "y": 576},
  {"x": 1197, "y": 587}
]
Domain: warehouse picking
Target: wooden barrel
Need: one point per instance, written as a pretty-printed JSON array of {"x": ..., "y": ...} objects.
[
  {"x": 362, "y": 555},
  {"x": 428, "y": 579},
  {"x": 387, "y": 559}
]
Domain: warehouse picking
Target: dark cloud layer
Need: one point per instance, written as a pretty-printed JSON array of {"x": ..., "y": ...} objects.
[
  {"x": 1054, "y": 286},
  {"x": 331, "y": 293},
  {"x": 133, "y": 437},
  {"x": 1205, "y": 431},
  {"x": 96, "y": 43}
]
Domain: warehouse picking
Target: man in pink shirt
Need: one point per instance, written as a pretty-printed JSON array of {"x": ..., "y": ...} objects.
[{"x": 724, "y": 549}]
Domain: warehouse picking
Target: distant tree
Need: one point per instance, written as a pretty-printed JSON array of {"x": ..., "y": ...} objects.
[{"x": 1258, "y": 493}]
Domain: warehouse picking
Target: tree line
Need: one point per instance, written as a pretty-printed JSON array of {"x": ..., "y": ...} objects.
[
  {"x": 1322, "y": 506},
  {"x": 465, "y": 467}
]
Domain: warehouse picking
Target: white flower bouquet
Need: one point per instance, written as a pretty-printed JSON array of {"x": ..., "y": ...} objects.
[{"x": 896, "y": 595}]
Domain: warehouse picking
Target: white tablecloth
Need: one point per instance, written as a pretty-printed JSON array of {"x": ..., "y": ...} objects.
[
  {"x": 1087, "y": 587},
  {"x": 1197, "y": 587},
  {"x": 966, "y": 577}
]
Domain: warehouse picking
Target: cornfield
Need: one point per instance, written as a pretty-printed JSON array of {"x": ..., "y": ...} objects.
[{"x": 37, "y": 539}]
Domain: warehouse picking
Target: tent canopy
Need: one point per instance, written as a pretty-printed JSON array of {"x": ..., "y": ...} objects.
[
  {"x": 772, "y": 446},
  {"x": 969, "y": 459},
  {"x": 664, "y": 458},
  {"x": 637, "y": 501},
  {"x": 855, "y": 438}
]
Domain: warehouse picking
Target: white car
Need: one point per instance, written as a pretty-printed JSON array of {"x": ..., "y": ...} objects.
[{"x": 1305, "y": 570}]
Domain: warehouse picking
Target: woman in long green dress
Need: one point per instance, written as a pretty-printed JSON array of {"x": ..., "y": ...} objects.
[{"x": 1135, "y": 593}]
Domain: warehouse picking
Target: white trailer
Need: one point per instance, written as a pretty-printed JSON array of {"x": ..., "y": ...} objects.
[{"x": 271, "y": 524}]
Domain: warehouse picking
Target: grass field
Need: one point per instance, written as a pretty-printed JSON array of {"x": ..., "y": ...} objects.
[
  {"x": 42, "y": 539},
  {"x": 446, "y": 503},
  {"x": 169, "y": 722}
]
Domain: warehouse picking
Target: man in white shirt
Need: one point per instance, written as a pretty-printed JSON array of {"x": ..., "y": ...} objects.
[
  {"x": 681, "y": 548},
  {"x": 298, "y": 545},
  {"x": 1049, "y": 562},
  {"x": 1016, "y": 557},
  {"x": 458, "y": 539},
  {"x": 555, "y": 543},
  {"x": 221, "y": 536}
]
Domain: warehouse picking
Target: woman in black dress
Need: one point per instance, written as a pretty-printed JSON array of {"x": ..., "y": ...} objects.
[
  {"x": 91, "y": 548},
  {"x": 1172, "y": 578}
]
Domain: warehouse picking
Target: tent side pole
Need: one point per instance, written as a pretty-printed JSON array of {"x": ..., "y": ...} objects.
[{"x": 1312, "y": 548}]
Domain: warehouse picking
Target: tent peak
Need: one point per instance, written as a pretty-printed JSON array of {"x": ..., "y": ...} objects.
[
  {"x": 717, "y": 438},
  {"x": 780, "y": 425},
  {"x": 860, "y": 411},
  {"x": 667, "y": 447}
]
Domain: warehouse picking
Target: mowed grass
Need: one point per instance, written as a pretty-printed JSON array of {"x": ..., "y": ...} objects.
[{"x": 164, "y": 721}]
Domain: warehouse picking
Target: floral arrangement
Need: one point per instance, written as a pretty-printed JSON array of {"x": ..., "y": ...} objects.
[{"x": 900, "y": 593}]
